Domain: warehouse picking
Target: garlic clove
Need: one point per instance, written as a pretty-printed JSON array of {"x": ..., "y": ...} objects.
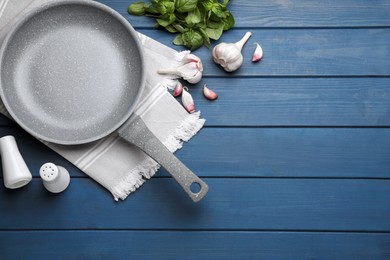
[
  {"x": 194, "y": 79},
  {"x": 187, "y": 101},
  {"x": 199, "y": 65},
  {"x": 209, "y": 94},
  {"x": 258, "y": 54},
  {"x": 178, "y": 89},
  {"x": 234, "y": 65}
]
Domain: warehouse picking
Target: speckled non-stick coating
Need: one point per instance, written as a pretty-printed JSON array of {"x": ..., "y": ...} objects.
[{"x": 71, "y": 72}]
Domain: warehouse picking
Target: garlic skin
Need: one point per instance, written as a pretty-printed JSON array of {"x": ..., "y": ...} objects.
[
  {"x": 228, "y": 55},
  {"x": 189, "y": 57},
  {"x": 187, "y": 101},
  {"x": 209, "y": 94},
  {"x": 258, "y": 54},
  {"x": 178, "y": 89}
]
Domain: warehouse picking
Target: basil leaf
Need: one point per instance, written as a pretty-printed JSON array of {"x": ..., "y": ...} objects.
[
  {"x": 192, "y": 39},
  {"x": 197, "y": 40},
  {"x": 197, "y": 21},
  {"x": 209, "y": 4},
  {"x": 213, "y": 24},
  {"x": 166, "y": 20},
  {"x": 186, "y": 37},
  {"x": 152, "y": 10},
  {"x": 171, "y": 29},
  {"x": 166, "y": 7},
  {"x": 206, "y": 38},
  {"x": 137, "y": 8},
  {"x": 225, "y": 3},
  {"x": 178, "y": 40},
  {"x": 193, "y": 17},
  {"x": 229, "y": 22},
  {"x": 185, "y": 5},
  {"x": 215, "y": 33},
  {"x": 179, "y": 28},
  {"x": 217, "y": 11}
]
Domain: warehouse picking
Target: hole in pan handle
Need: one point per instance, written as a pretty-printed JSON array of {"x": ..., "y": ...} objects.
[{"x": 136, "y": 132}]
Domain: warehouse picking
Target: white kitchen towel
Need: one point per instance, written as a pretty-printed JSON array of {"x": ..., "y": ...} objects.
[{"x": 119, "y": 166}]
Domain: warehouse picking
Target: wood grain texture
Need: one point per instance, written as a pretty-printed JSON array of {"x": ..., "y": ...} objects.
[
  {"x": 125, "y": 244},
  {"x": 231, "y": 204},
  {"x": 295, "y": 150},
  {"x": 290, "y": 152},
  {"x": 261, "y": 152},
  {"x": 302, "y": 52},
  {"x": 293, "y": 13},
  {"x": 293, "y": 101}
]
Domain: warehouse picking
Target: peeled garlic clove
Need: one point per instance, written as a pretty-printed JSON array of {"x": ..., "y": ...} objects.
[
  {"x": 178, "y": 89},
  {"x": 258, "y": 54},
  {"x": 187, "y": 101},
  {"x": 209, "y": 94}
]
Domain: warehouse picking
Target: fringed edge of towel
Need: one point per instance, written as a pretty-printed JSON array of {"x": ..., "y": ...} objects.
[{"x": 146, "y": 169}]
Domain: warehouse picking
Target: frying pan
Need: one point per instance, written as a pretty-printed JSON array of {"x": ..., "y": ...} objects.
[{"x": 73, "y": 72}]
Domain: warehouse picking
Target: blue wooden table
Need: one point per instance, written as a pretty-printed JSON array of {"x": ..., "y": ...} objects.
[{"x": 296, "y": 152}]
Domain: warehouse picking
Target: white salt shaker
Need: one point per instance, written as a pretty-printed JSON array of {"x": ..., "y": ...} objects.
[
  {"x": 15, "y": 171},
  {"x": 55, "y": 178}
]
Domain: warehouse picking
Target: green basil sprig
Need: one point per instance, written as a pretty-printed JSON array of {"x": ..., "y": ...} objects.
[{"x": 194, "y": 21}]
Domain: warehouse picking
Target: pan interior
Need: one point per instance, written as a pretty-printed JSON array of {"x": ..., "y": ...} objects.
[{"x": 71, "y": 73}]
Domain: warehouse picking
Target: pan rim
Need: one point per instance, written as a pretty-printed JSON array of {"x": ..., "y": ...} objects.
[{"x": 10, "y": 35}]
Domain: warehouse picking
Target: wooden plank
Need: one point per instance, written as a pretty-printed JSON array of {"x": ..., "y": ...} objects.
[
  {"x": 290, "y": 152},
  {"x": 302, "y": 52},
  {"x": 295, "y": 101},
  {"x": 261, "y": 152},
  {"x": 232, "y": 204},
  {"x": 297, "y": 13},
  {"x": 192, "y": 245}
]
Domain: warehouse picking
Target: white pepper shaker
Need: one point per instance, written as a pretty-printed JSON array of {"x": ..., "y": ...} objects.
[
  {"x": 15, "y": 171},
  {"x": 55, "y": 178}
]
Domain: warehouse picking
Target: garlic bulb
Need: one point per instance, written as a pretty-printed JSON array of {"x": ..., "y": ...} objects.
[
  {"x": 190, "y": 69},
  {"x": 228, "y": 55}
]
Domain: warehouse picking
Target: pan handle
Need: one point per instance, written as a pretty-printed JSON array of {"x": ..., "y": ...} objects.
[{"x": 136, "y": 132}]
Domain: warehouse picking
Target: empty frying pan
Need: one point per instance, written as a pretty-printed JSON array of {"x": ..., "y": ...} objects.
[{"x": 72, "y": 72}]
